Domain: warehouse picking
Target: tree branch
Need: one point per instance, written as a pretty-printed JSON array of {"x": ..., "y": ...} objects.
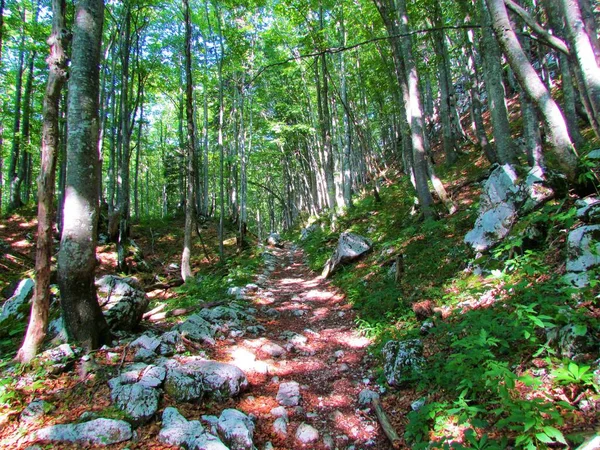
[
  {"x": 543, "y": 35},
  {"x": 335, "y": 50}
]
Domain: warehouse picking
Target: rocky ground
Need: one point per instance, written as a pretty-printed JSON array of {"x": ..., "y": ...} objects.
[{"x": 282, "y": 367}]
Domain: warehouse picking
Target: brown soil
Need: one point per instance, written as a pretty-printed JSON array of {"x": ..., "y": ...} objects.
[{"x": 331, "y": 367}]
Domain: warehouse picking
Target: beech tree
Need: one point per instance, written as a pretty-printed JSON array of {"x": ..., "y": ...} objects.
[
  {"x": 38, "y": 321},
  {"x": 551, "y": 115},
  {"x": 82, "y": 315}
]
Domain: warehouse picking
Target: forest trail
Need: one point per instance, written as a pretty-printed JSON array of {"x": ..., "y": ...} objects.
[{"x": 310, "y": 338}]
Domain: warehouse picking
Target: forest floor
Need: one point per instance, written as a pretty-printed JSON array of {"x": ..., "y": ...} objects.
[
  {"x": 331, "y": 366},
  {"x": 328, "y": 359}
]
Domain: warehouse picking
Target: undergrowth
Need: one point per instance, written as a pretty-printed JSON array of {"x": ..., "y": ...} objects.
[{"x": 510, "y": 358}]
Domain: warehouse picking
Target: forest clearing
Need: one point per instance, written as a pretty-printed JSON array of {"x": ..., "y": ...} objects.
[{"x": 299, "y": 224}]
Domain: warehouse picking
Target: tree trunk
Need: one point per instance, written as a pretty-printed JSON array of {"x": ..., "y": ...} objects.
[
  {"x": 125, "y": 135},
  {"x": 38, "y": 321},
  {"x": 24, "y": 163},
  {"x": 186, "y": 270},
  {"x": 84, "y": 321},
  {"x": 14, "y": 200},
  {"x": 583, "y": 55},
  {"x": 415, "y": 115},
  {"x": 554, "y": 123},
  {"x": 492, "y": 74},
  {"x": 1, "y": 124}
]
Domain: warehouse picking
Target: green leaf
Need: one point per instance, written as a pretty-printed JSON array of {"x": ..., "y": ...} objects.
[
  {"x": 580, "y": 330},
  {"x": 555, "y": 434},
  {"x": 543, "y": 437}
]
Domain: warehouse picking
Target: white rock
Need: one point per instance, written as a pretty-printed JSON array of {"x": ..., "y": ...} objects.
[
  {"x": 279, "y": 411},
  {"x": 236, "y": 429},
  {"x": 306, "y": 434},
  {"x": 280, "y": 427},
  {"x": 350, "y": 247},
  {"x": 16, "y": 305},
  {"x": 366, "y": 396},
  {"x": 94, "y": 432},
  {"x": 289, "y": 394}
]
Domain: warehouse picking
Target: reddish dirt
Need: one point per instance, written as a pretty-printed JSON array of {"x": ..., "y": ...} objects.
[{"x": 331, "y": 367}]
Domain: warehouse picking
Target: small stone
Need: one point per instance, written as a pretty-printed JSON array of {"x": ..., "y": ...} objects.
[
  {"x": 417, "y": 404},
  {"x": 366, "y": 396},
  {"x": 273, "y": 350},
  {"x": 36, "y": 410},
  {"x": 328, "y": 441},
  {"x": 279, "y": 411},
  {"x": 280, "y": 428},
  {"x": 344, "y": 367},
  {"x": 306, "y": 434},
  {"x": 268, "y": 446},
  {"x": 299, "y": 312},
  {"x": 288, "y": 394},
  {"x": 338, "y": 354}
]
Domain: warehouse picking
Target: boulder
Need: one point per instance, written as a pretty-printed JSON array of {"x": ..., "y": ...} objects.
[
  {"x": 350, "y": 247},
  {"x": 124, "y": 303},
  {"x": 137, "y": 391},
  {"x": 307, "y": 231},
  {"x": 289, "y": 394},
  {"x": 189, "y": 379},
  {"x": 275, "y": 240},
  {"x": 497, "y": 209},
  {"x": 403, "y": 361},
  {"x": 148, "y": 347},
  {"x": 178, "y": 431},
  {"x": 571, "y": 342},
  {"x": 503, "y": 199},
  {"x": 583, "y": 254},
  {"x": 17, "y": 306},
  {"x": 95, "y": 432},
  {"x": 197, "y": 329},
  {"x": 236, "y": 429}
]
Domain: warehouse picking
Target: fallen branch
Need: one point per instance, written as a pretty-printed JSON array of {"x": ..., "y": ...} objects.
[
  {"x": 388, "y": 429},
  {"x": 180, "y": 311},
  {"x": 192, "y": 344},
  {"x": 153, "y": 311},
  {"x": 164, "y": 286}
]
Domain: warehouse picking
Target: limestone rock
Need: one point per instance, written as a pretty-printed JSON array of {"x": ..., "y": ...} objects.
[
  {"x": 307, "y": 231},
  {"x": 94, "y": 432},
  {"x": 125, "y": 302},
  {"x": 583, "y": 253},
  {"x": 178, "y": 431},
  {"x": 197, "y": 329},
  {"x": 17, "y": 305},
  {"x": 306, "y": 434},
  {"x": 403, "y": 361},
  {"x": 36, "y": 410},
  {"x": 350, "y": 247},
  {"x": 57, "y": 359},
  {"x": 189, "y": 379},
  {"x": 137, "y": 392},
  {"x": 236, "y": 429},
  {"x": 366, "y": 396},
  {"x": 497, "y": 210},
  {"x": 289, "y": 394},
  {"x": 275, "y": 240},
  {"x": 280, "y": 427}
]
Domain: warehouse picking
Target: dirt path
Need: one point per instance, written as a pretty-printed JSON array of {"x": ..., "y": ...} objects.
[{"x": 309, "y": 338}]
